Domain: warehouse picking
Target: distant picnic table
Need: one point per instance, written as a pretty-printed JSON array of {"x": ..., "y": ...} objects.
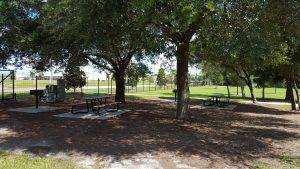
[
  {"x": 216, "y": 98},
  {"x": 90, "y": 102}
]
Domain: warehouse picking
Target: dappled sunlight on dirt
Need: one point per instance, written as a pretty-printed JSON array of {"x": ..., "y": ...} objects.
[{"x": 211, "y": 138}]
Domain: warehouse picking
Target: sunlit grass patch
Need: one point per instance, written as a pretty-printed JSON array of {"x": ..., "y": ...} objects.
[
  {"x": 261, "y": 166},
  {"x": 290, "y": 162},
  {"x": 28, "y": 161}
]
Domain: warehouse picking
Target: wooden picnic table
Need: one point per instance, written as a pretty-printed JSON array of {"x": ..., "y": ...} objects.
[
  {"x": 216, "y": 99},
  {"x": 92, "y": 101}
]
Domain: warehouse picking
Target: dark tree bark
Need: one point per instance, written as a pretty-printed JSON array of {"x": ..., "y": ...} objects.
[
  {"x": 292, "y": 100},
  {"x": 253, "y": 97},
  {"x": 237, "y": 90},
  {"x": 182, "y": 81},
  {"x": 120, "y": 85},
  {"x": 290, "y": 85},
  {"x": 228, "y": 91},
  {"x": 288, "y": 93},
  {"x": 227, "y": 85},
  {"x": 251, "y": 88}
]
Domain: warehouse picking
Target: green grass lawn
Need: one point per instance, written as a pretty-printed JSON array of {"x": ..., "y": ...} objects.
[
  {"x": 205, "y": 91},
  {"x": 43, "y": 83},
  {"x": 167, "y": 92},
  {"x": 27, "y": 161},
  {"x": 286, "y": 160}
]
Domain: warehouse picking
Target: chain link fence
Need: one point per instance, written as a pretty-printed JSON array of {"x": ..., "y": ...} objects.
[{"x": 91, "y": 88}]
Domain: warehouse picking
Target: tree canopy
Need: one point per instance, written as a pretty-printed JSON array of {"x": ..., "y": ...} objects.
[{"x": 243, "y": 38}]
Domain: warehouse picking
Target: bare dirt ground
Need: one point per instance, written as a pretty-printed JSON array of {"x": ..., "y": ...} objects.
[{"x": 149, "y": 136}]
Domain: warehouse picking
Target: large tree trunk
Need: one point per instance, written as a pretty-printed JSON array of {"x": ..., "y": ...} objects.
[
  {"x": 292, "y": 100},
  {"x": 120, "y": 85},
  {"x": 290, "y": 84},
  {"x": 182, "y": 81},
  {"x": 288, "y": 93}
]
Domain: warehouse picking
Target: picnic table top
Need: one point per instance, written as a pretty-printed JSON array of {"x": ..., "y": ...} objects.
[
  {"x": 216, "y": 95},
  {"x": 96, "y": 97}
]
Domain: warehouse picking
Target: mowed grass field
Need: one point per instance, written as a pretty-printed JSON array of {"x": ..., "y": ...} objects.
[
  {"x": 206, "y": 91},
  {"x": 28, "y": 161},
  {"x": 195, "y": 92},
  {"x": 42, "y": 83},
  {"x": 166, "y": 92}
]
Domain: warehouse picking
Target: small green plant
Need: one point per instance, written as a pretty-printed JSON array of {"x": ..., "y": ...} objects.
[
  {"x": 290, "y": 162},
  {"x": 261, "y": 166}
]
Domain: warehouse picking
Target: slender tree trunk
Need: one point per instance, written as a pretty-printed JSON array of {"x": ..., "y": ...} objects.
[
  {"x": 120, "y": 85},
  {"x": 250, "y": 85},
  {"x": 237, "y": 90},
  {"x": 228, "y": 91},
  {"x": 252, "y": 94},
  {"x": 243, "y": 91},
  {"x": 182, "y": 81},
  {"x": 297, "y": 94}
]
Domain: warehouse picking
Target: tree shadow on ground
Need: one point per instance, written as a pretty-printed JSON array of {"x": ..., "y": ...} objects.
[{"x": 233, "y": 136}]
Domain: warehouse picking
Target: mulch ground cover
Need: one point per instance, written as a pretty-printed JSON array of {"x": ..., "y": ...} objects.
[{"x": 210, "y": 139}]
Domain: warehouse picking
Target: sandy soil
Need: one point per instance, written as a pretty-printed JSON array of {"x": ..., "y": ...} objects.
[{"x": 149, "y": 136}]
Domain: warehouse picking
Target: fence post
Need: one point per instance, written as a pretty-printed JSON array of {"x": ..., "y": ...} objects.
[
  {"x": 128, "y": 85},
  {"x": 143, "y": 84},
  {"x": 111, "y": 85},
  {"x": 87, "y": 82},
  {"x": 36, "y": 94},
  {"x": 108, "y": 85},
  {"x": 13, "y": 79},
  {"x": 2, "y": 87},
  {"x": 98, "y": 86}
]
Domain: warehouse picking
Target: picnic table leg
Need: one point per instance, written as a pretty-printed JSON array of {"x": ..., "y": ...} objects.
[{"x": 87, "y": 105}]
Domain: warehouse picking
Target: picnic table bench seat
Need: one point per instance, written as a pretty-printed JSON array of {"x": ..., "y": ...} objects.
[
  {"x": 99, "y": 107},
  {"x": 74, "y": 109},
  {"x": 224, "y": 102},
  {"x": 206, "y": 101}
]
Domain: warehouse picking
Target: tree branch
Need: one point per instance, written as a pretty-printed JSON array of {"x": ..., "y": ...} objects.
[{"x": 99, "y": 64}]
